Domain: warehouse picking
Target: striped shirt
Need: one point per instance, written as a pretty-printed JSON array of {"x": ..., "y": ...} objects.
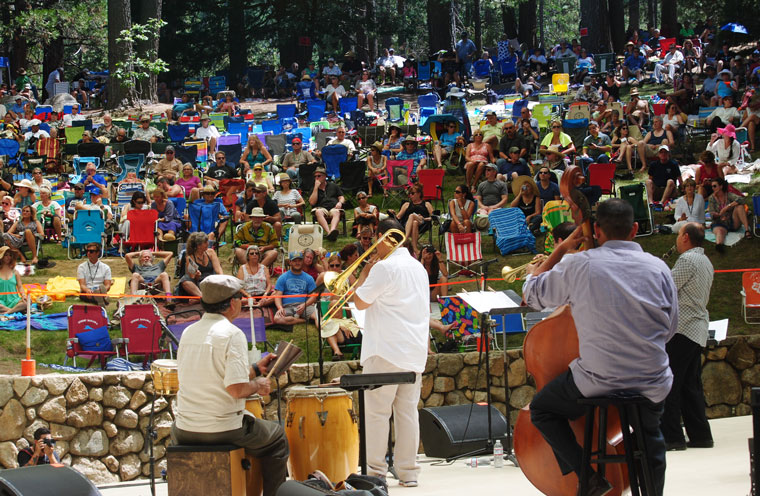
[{"x": 693, "y": 275}]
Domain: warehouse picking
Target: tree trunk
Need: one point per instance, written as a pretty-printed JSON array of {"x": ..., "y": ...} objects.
[
  {"x": 541, "y": 38},
  {"x": 651, "y": 13},
  {"x": 527, "y": 23},
  {"x": 509, "y": 21},
  {"x": 439, "y": 37},
  {"x": 236, "y": 41},
  {"x": 19, "y": 47},
  {"x": 149, "y": 9},
  {"x": 478, "y": 39},
  {"x": 119, "y": 19},
  {"x": 634, "y": 15},
  {"x": 371, "y": 17},
  {"x": 594, "y": 17},
  {"x": 617, "y": 25},
  {"x": 669, "y": 15}
]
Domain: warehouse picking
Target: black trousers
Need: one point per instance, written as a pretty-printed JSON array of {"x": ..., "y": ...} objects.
[
  {"x": 686, "y": 399},
  {"x": 557, "y": 403}
]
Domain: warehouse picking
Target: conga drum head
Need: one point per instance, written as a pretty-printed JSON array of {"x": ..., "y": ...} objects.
[
  {"x": 255, "y": 405},
  {"x": 322, "y": 432},
  {"x": 165, "y": 377}
]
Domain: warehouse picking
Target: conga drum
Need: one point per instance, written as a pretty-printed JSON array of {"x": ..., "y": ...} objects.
[
  {"x": 322, "y": 432},
  {"x": 165, "y": 376},
  {"x": 255, "y": 405},
  {"x": 254, "y": 485}
]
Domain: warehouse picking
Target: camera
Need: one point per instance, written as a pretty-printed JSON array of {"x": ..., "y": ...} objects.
[{"x": 49, "y": 442}]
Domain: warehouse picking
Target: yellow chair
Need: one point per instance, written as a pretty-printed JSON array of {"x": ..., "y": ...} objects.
[
  {"x": 543, "y": 114},
  {"x": 73, "y": 134},
  {"x": 560, "y": 83}
]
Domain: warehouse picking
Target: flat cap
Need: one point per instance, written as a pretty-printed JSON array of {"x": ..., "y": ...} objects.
[{"x": 219, "y": 287}]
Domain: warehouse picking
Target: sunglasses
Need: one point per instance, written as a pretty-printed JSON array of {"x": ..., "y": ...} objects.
[
  {"x": 37, "y": 173},
  {"x": 556, "y": 127},
  {"x": 140, "y": 202},
  {"x": 169, "y": 152},
  {"x": 452, "y": 125},
  {"x": 220, "y": 158},
  {"x": 335, "y": 265},
  {"x": 458, "y": 191},
  {"x": 366, "y": 239},
  {"x": 93, "y": 251},
  {"x": 543, "y": 172}
]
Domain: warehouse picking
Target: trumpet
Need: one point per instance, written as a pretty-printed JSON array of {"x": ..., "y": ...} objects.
[
  {"x": 339, "y": 283},
  {"x": 511, "y": 275},
  {"x": 668, "y": 253}
]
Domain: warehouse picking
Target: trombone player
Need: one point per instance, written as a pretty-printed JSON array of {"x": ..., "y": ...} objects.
[{"x": 393, "y": 289}]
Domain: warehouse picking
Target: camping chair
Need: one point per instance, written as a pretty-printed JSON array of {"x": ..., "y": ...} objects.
[
  {"x": 91, "y": 150},
  {"x": 193, "y": 87},
  {"x": 286, "y": 110},
  {"x": 124, "y": 192},
  {"x": 273, "y": 126},
  {"x": 424, "y": 73},
  {"x": 395, "y": 108},
  {"x": 555, "y": 212},
  {"x": 565, "y": 65},
  {"x": 87, "y": 318},
  {"x": 142, "y": 230},
  {"x": 216, "y": 84},
  {"x": 464, "y": 251},
  {"x": 432, "y": 185},
  {"x": 351, "y": 351},
  {"x": 80, "y": 163},
  {"x": 635, "y": 195},
  {"x": 315, "y": 110},
  {"x": 750, "y": 295},
  {"x": 239, "y": 128},
  {"x": 577, "y": 130},
  {"x": 178, "y": 132},
  {"x": 300, "y": 237},
  {"x": 186, "y": 154},
  {"x": 578, "y": 111},
  {"x": 305, "y": 92},
  {"x": 510, "y": 232},
  {"x": 205, "y": 217},
  {"x": 352, "y": 179},
  {"x": 306, "y": 178},
  {"x": 132, "y": 162},
  {"x": 73, "y": 134},
  {"x": 605, "y": 62},
  {"x": 137, "y": 146},
  {"x": 543, "y": 114},
  {"x": 756, "y": 214},
  {"x": 561, "y": 82},
  {"x": 10, "y": 149},
  {"x": 333, "y": 156},
  {"x": 517, "y": 107},
  {"x": 228, "y": 139},
  {"x": 50, "y": 148},
  {"x": 399, "y": 178},
  {"x": 276, "y": 144},
  {"x": 141, "y": 332},
  {"x": 507, "y": 69},
  {"x": 348, "y": 105},
  {"x": 88, "y": 226},
  {"x": 602, "y": 175},
  {"x": 232, "y": 153}
]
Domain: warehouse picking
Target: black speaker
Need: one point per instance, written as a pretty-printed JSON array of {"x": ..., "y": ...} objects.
[
  {"x": 450, "y": 431},
  {"x": 45, "y": 479}
]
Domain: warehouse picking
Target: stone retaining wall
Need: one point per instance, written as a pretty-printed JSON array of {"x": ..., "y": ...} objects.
[{"x": 100, "y": 418}]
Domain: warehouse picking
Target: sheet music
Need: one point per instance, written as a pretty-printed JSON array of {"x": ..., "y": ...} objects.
[
  {"x": 484, "y": 301},
  {"x": 720, "y": 327},
  {"x": 357, "y": 314}
]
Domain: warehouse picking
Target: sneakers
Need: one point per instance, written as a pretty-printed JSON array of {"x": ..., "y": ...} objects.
[
  {"x": 408, "y": 483},
  {"x": 675, "y": 446}
]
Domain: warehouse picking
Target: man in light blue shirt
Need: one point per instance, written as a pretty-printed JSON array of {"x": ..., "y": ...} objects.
[
  {"x": 465, "y": 49},
  {"x": 624, "y": 304}
]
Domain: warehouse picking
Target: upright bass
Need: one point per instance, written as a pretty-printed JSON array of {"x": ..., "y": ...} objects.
[{"x": 548, "y": 349}]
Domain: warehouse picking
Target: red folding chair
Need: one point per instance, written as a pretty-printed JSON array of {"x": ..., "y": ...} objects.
[
  {"x": 83, "y": 318},
  {"x": 432, "y": 184},
  {"x": 50, "y": 148},
  {"x": 142, "y": 230},
  {"x": 750, "y": 296},
  {"x": 602, "y": 175},
  {"x": 399, "y": 177},
  {"x": 665, "y": 46},
  {"x": 464, "y": 252},
  {"x": 141, "y": 332}
]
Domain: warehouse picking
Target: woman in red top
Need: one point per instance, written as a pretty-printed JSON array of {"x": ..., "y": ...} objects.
[{"x": 707, "y": 171}]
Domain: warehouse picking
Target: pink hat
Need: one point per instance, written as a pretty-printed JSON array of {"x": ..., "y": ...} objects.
[{"x": 729, "y": 130}]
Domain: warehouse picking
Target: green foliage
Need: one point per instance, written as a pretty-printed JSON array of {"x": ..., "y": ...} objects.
[{"x": 135, "y": 68}]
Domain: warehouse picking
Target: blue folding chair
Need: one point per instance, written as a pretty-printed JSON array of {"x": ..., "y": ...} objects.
[
  {"x": 204, "y": 216},
  {"x": 756, "y": 214},
  {"x": 80, "y": 163},
  {"x": 482, "y": 68},
  {"x": 332, "y": 156},
  {"x": 240, "y": 128},
  {"x": 180, "y": 204},
  {"x": 517, "y": 108},
  {"x": 216, "y": 84},
  {"x": 424, "y": 72},
  {"x": 10, "y": 148},
  {"x": 178, "y": 132},
  {"x": 286, "y": 110},
  {"x": 395, "y": 108},
  {"x": 348, "y": 105},
  {"x": 428, "y": 100},
  {"x": 274, "y": 126},
  {"x": 510, "y": 232},
  {"x": 508, "y": 68},
  {"x": 305, "y": 91},
  {"x": 232, "y": 153},
  {"x": 132, "y": 162},
  {"x": 87, "y": 227},
  {"x": 315, "y": 110}
]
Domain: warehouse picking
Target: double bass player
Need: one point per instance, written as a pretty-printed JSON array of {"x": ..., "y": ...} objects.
[{"x": 624, "y": 304}]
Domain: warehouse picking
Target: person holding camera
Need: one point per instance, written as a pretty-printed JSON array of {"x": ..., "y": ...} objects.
[{"x": 41, "y": 452}]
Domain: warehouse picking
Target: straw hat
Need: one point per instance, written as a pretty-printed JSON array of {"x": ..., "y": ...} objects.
[
  {"x": 26, "y": 183},
  {"x": 518, "y": 183},
  {"x": 3, "y": 251},
  {"x": 377, "y": 145}
]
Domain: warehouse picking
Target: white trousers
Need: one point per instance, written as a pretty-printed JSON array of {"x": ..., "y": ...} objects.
[
  {"x": 660, "y": 68},
  {"x": 401, "y": 400}
]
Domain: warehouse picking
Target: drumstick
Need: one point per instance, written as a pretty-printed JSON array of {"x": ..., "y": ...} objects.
[{"x": 282, "y": 354}]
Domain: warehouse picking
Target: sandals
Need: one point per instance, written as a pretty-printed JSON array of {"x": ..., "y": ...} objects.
[
  {"x": 747, "y": 235},
  {"x": 337, "y": 357}
]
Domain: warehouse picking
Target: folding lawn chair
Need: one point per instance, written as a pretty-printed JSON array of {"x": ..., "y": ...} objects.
[
  {"x": 347, "y": 105},
  {"x": 88, "y": 335},
  {"x": 432, "y": 185},
  {"x": 141, "y": 332},
  {"x": 399, "y": 178},
  {"x": 395, "y": 108},
  {"x": 602, "y": 175},
  {"x": 10, "y": 149},
  {"x": 464, "y": 251},
  {"x": 750, "y": 296},
  {"x": 132, "y": 162},
  {"x": 91, "y": 149},
  {"x": 333, "y": 156},
  {"x": 178, "y": 132},
  {"x": 50, "y": 148},
  {"x": 635, "y": 195},
  {"x": 142, "y": 230},
  {"x": 186, "y": 154},
  {"x": 276, "y": 143},
  {"x": 205, "y": 217},
  {"x": 137, "y": 146},
  {"x": 306, "y": 178},
  {"x": 231, "y": 152},
  {"x": 124, "y": 192},
  {"x": 316, "y": 110},
  {"x": 510, "y": 231},
  {"x": 352, "y": 179},
  {"x": 755, "y": 214},
  {"x": 87, "y": 227},
  {"x": 300, "y": 237}
]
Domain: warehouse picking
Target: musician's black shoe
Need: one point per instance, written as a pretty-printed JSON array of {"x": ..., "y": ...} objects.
[
  {"x": 675, "y": 446},
  {"x": 597, "y": 486}
]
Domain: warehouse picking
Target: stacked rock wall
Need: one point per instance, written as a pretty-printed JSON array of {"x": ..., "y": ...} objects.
[{"x": 100, "y": 418}]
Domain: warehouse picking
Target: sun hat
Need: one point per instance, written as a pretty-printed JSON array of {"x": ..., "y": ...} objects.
[
  {"x": 26, "y": 183},
  {"x": 520, "y": 181},
  {"x": 283, "y": 176},
  {"x": 257, "y": 212},
  {"x": 729, "y": 131}
]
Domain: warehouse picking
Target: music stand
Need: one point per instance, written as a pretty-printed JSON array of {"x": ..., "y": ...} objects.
[{"x": 486, "y": 310}]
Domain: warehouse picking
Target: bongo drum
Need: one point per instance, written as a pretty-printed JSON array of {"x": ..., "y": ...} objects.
[
  {"x": 322, "y": 432},
  {"x": 165, "y": 378}
]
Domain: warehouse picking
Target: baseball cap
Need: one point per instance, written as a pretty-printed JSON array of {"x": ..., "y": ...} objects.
[
  {"x": 296, "y": 140},
  {"x": 295, "y": 254},
  {"x": 514, "y": 149},
  {"x": 664, "y": 147}
]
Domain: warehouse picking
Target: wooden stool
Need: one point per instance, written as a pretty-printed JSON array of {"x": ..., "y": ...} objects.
[
  {"x": 629, "y": 408},
  {"x": 223, "y": 470}
]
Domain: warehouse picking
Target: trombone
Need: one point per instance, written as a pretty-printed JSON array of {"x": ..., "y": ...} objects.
[
  {"x": 338, "y": 284},
  {"x": 511, "y": 275}
]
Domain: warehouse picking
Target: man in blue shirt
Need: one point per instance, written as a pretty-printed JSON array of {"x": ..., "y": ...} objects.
[
  {"x": 623, "y": 320},
  {"x": 448, "y": 141},
  {"x": 465, "y": 49},
  {"x": 93, "y": 181},
  {"x": 410, "y": 152},
  {"x": 297, "y": 309},
  {"x": 633, "y": 65}
]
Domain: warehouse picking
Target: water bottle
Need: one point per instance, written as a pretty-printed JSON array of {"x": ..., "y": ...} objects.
[{"x": 498, "y": 455}]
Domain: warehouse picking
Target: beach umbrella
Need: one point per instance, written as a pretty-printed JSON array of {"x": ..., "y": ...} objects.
[{"x": 734, "y": 28}]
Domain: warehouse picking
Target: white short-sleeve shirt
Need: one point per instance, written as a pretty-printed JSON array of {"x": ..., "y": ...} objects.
[
  {"x": 93, "y": 274},
  {"x": 397, "y": 322},
  {"x": 212, "y": 354}
]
